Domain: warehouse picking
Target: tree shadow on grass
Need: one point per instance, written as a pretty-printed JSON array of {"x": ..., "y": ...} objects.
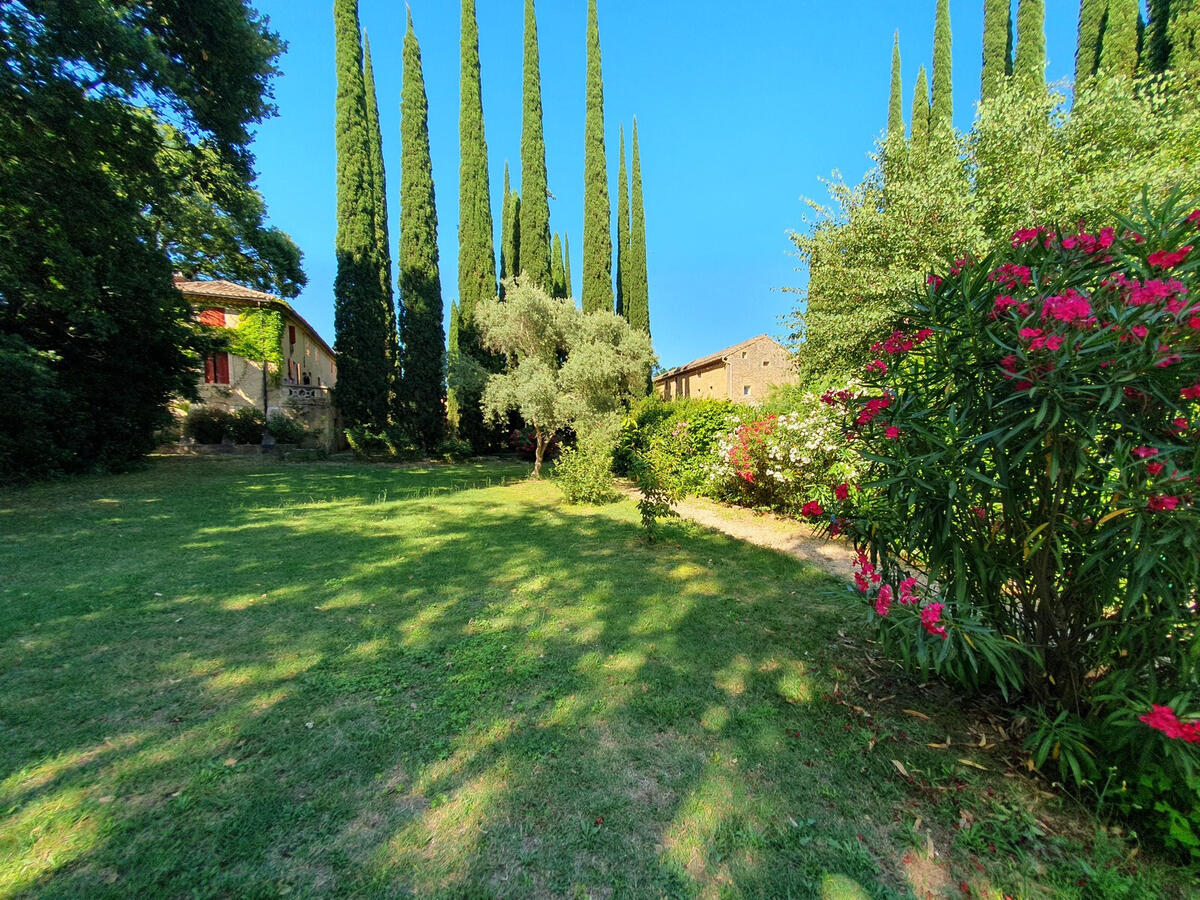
[{"x": 483, "y": 694}]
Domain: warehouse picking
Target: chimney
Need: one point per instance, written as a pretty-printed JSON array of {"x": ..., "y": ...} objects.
[{"x": 178, "y": 278}]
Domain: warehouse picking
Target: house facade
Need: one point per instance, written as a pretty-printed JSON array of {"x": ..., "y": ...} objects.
[
  {"x": 301, "y": 388},
  {"x": 743, "y": 373}
]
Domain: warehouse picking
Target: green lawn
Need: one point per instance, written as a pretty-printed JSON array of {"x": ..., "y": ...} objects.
[{"x": 234, "y": 679}]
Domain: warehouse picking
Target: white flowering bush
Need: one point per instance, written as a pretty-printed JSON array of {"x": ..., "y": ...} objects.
[{"x": 787, "y": 462}]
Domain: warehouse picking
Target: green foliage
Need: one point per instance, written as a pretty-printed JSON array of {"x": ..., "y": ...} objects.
[
  {"x": 360, "y": 311},
  {"x": 921, "y": 114},
  {"x": 942, "y": 110},
  {"x": 566, "y": 368},
  {"x": 1156, "y": 55},
  {"x": 1119, "y": 44},
  {"x": 393, "y": 442},
  {"x": 510, "y": 235},
  {"x": 658, "y": 497},
  {"x": 1091, "y": 35},
  {"x": 452, "y": 449},
  {"x": 557, "y": 278},
  {"x": 637, "y": 288},
  {"x": 567, "y": 289},
  {"x": 287, "y": 430},
  {"x": 246, "y": 425},
  {"x": 89, "y": 217},
  {"x": 597, "y": 292},
  {"x": 584, "y": 473},
  {"x": 678, "y": 439},
  {"x": 30, "y": 445},
  {"x": 896, "y": 94},
  {"x": 424, "y": 340},
  {"x": 258, "y": 336},
  {"x": 208, "y": 424},
  {"x": 623, "y": 233},
  {"x": 532, "y": 219},
  {"x": 1029, "y": 69},
  {"x": 997, "y": 35},
  {"x": 1184, "y": 38},
  {"x": 476, "y": 253}
]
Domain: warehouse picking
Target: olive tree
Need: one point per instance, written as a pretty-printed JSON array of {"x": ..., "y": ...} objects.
[{"x": 565, "y": 368}]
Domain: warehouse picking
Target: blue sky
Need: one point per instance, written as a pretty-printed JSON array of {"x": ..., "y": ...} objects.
[{"x": 742, "y": 108}]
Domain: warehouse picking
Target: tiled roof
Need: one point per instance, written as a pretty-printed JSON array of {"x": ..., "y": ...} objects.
[
  {"x": 236, "y": 294},
  {"x": 225, "y": 290},
  {"x": 712, "y": 357}
]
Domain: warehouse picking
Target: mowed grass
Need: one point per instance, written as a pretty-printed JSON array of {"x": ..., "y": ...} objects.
[{"x": 232, "y": 679}]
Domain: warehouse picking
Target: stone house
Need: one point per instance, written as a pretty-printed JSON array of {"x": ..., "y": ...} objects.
[
  {"x": 302, "y": 388},
  {"x": 743, "y": 373}
]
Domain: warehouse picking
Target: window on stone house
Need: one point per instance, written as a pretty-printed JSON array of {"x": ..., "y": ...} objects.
[
  {"x": 216, "y": 369},
  {"x": 746, "y": 390},
  {"x": 766, "y": 362}
]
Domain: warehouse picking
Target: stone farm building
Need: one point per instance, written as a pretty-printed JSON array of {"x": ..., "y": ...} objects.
[
  {"x": 302, "y": 388},
  {"x": 743, "y": 373}
]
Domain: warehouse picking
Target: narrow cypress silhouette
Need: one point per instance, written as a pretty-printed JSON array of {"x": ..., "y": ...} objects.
[
  {"x": 638, "y": 289},
  {"x": 1092, "y": 16},
  {"x": 476, "y": 251},
  {"x": 943, "y": 90},
  {"x": 424, "y": 386},
  {"x": 921, "y": 114},
  {"x": 362, "y": 342},
  {"x": 383, "y": 243},
  {"x": 509, "y": 234},
  {"x": 997, "y": 40},
  {"x": 567, "y": 265},
  {"x": 1157, "y": 54},
  {"x": 1030, "y": 67},
  {"x": 534, "y": 218},
  {"x": 597, "y": 223},
  {"x": 1118, "y": 49},
  {"x": 1183, "y": 34},
  {"x": 896, "y": 94},
  {"x": 556, "y": 267},
  {"x": 623, "y": 234}
]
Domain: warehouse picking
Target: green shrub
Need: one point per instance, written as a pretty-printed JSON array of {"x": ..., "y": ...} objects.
[
  {"x": 453, "y": 449},
  {"x": 584, "y": 475},
  {"x": 390, "y": 443},
  {"x": 287, "y": 430},
  {"x": 34, "y": 410},
  {"x": 207, "y": 424},
  {"x": 246, "y": 425},
  {"x": 677, "y": 438}
]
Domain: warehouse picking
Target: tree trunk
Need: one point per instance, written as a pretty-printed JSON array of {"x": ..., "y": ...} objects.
[{"x": 542, "y": 442}]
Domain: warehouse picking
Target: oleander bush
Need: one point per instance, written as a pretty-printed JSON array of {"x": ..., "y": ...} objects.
[{"x": 1029, "y": 518}]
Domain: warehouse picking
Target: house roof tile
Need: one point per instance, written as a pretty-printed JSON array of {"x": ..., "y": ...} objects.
[
  {"x": 713, "y": 357},
  {"x": 237, "y": 294}
]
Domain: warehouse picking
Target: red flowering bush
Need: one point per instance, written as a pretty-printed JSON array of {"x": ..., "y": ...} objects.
[{"x": 1033, "y": 459}]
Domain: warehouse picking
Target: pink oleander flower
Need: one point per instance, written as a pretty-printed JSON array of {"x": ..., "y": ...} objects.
[
  {"x": 1025, "y": 236},
  {"x": 934, "y": 281},
  {"x": 1166, "y": 259},
  {"x": 877, "y": 366},
  {"x": 812, "y": 510},
  {"x": 908, "y": 594},
  {"x": 1010, "y": 275},
  {"x": 930, "y": 617},
  {"x": 1194, "y": 218},
  {"x": 1155, "y": 468},
  {"x": 1162, "y": 503},
  {"x": 842, "y": 491},
  {"x": 1071, "y": 306},
  {"x": 891, "y": 432},
  {"x": 1145, "y": 452},
  {"x": 1164, "y": 719},
  {"x": 1028, "y": 334},
  {"x": 883, "y": 602},
  {"x": 1190, "y": 393}
]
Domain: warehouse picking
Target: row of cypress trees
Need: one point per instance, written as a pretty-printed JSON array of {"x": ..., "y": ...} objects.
[
  {"x": 1113, "y": 39},
  {"x": 391, "y": 365}
]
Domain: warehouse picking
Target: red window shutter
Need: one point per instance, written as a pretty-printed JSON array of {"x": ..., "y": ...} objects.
[
  {"x": 291, "y": 334},
  {"x": 210, "y": 370},
  {"x": 213, "y": 317},
  {"x": 222, "y": 368}
]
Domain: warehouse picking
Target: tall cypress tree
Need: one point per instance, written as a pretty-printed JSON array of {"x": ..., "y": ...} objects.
[
  {"x": 921, "y": 113},
  {"x": 1092, "y": 15},
  {"x": 359, "y": 315},
  {"x": 597, "y": 238},
  {"x": 534, "y": 218},
  {"x": 637, "y": 297},
  {"x": 997, "y": 37},
  {"x": 420, "y": 280},
  {"x": 476, "y": 252},
  {"x": 623, "y": 234},
  {"x": 1157, "y": 55},
  {"x": 1030, "y": 67},
  {"x": 383, "y": 243},
  {"x": 1118, "y": 50},
  {"x": 943, "y": 90},
  {"x": 556, "y": 267},
  {"x": 1184, "y": 37},
  {"x": 895, "y": 94},
  {"x": 567, "y": 265},
  {"x": 509, "y": 240}
]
